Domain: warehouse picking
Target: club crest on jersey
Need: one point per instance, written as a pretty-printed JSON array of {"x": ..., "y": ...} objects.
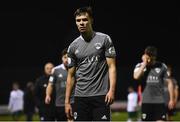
[
  {"x": 60, "y": 75},
  {"x": 98, "y": 46},
  {"x": 77, "y": 51},
  {"x": 157, "y": 70}
]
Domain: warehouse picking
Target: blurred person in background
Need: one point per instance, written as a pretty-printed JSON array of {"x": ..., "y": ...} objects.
[
  {"x": 139, "y": 92},
  {"x": 58, "y": 79},
  {"x": 46, "y": 111},
  {"x": 154, "y": 74},
  {"x": 16, "y": 101},
  {"x": 29, "y": 101},
  {"x": 132, "y": 104},
  {"x": 171, "y": 112}
]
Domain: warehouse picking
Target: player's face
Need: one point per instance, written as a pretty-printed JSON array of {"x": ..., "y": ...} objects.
[
  {"x": 150, "y": 59},
  {"x": 84, "y": 23},
  {"x": 48, "y": 68},
  {"x": 15, "y": 86},
  {"x": 65, "y": 59}
]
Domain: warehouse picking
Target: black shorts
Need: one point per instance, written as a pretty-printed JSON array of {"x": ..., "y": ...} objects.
[
  {"x": 60, "y": 114},
  {"x": 47, "y": 113},
  {"x": 132, "y": 114},
  {"x": 153, "y": 112},
  {"x": 91, "y": 109}
]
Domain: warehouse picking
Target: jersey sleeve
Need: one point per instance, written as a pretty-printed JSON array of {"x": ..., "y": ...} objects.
[
  {"x": 52, "y": 77},
  {"x": 137, "y": 67},
  {"x": 109, "y": 48},
  {"x": 71, "y": 56},
  {"x": 10, "y": 101},
  {"x": 166, "y": 74}
]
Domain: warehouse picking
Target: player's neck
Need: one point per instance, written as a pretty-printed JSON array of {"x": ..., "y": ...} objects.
[
  {"x": 88, "y": 36},
  {"x": 152, "y": 62}
]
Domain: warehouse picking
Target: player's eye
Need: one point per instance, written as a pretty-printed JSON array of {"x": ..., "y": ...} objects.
[
  {"x": 78, "y": 20},
  {"x": 85, "y": 19}
]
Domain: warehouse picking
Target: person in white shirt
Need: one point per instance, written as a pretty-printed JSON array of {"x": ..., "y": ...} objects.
[
  {"x": 16, "y": 102},
  {"x": 132, "y": 103}
]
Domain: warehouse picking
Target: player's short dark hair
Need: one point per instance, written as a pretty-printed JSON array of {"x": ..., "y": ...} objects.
[
  {"x": 64, "y": 52},
  {"x": 16, "y": 83},
  {"x": 84, "y": 10},
  {"x": 151, "y": 51}
]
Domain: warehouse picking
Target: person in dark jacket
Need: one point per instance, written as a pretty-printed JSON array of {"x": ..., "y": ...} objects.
[
  {"x": 46, "y": 111},
  {"x": 29, "y": 101}
]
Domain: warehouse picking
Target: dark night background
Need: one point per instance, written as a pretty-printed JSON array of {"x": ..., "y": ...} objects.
[{"x": 32, "y": 36}]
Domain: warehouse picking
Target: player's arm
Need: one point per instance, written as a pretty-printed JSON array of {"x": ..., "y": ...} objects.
[
  {"x": 139, "y": 71},
  {"x": 171, "y": 93},
  {"x": 49, "y": 90},
  {"x": 176, "y": 93},
  {"x": 69, "y": 86},
  {"x": 10, "y": 102},
  {"x": 112, "y": 79}
]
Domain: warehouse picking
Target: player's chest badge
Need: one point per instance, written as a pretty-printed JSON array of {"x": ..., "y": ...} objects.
[
  {"x": 98, "y": 46},
  {"x": 60, "y": 75},
  {"x": 157, "y": 70}
]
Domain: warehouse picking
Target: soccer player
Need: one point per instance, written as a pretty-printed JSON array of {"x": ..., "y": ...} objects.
[
  {"x": 92, "y": 60},
  {"x": 58, "y": 79},
  {"x": 154, "y": 74},
  {"x": 132, "y": 104},
  {"x": 46, "y": 111},
  {"x": 29, "y": 101},
  {"x": 16, "y": 102}
]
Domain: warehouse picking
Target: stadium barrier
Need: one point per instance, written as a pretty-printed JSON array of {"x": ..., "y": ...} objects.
[{"x": 117, "y": 106}]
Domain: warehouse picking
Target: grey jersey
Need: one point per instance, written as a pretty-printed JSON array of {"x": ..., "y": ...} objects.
[
  {"x": 166, "y": 92},
  {"x": 89, "y": 58},
  {"x": 154, "y": 83},
  {"x": 58, "y": 79}
]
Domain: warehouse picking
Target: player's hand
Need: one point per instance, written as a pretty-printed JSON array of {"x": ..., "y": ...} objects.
[
  {"x": 9, "y": 109},
  {"x": 140, "y": 103},
  {"x": 171, "y": 104},
  {"x": 68, "y": 110},
  {"x": 109, "y": 99},
  {"x": 47, "y": 99},
  {"x": 145, "y": 59}
]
